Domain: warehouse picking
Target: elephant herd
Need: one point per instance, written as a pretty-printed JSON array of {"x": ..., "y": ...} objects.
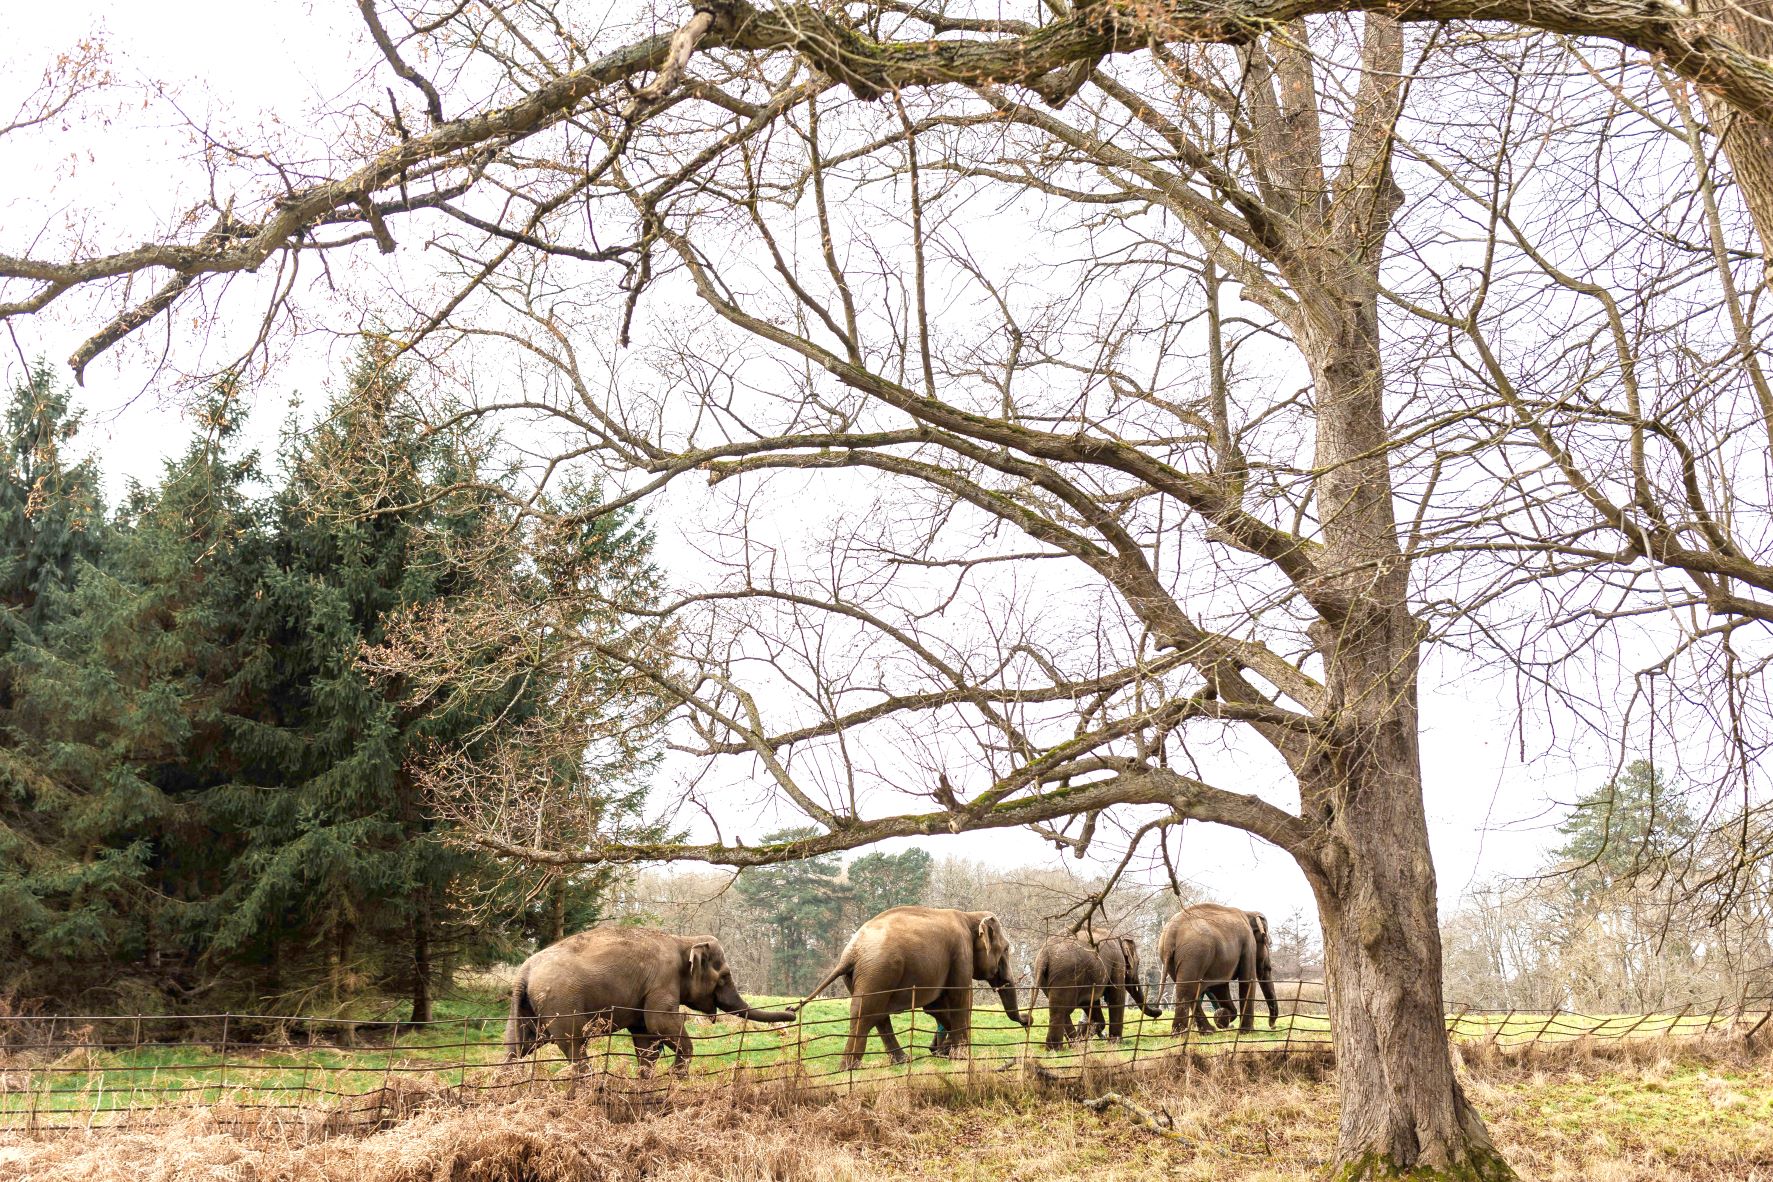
[{"x": 640, "y": 980}]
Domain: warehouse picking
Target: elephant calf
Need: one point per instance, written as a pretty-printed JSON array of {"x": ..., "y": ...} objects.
[
  {"x": 1120, "y": 957},
  {"x": 623, "y": 978},
  {"x": 1097, "y": 977},
  {"x": 1072, "y": 976},
  {"x": 926, "y": 957}
]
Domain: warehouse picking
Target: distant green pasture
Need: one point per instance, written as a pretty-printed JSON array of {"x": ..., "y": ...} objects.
[{"x": 466, "y": 1047}]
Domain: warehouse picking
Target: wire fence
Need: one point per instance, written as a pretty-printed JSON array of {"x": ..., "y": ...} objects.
[{"x": 336, "y": 1076}]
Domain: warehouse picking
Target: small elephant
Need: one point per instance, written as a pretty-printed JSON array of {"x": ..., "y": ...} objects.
[
  {"x": 1073, "y": 977},
  {"x": 1204, "y": 949},
  {"x": 623, "y": 978},
  {"x": 927, "y": 957},
  {"x": 1120, "y": 957}
]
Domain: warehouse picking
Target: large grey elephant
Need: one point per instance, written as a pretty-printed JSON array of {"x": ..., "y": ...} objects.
[
  {"x": 927, "y": 957},
  {"x": 1120, "y": 958},
  {"x": 1204, "y": 949},
  {"x": 1072, "y": 976},
  {"x": 623, "y": 978}
]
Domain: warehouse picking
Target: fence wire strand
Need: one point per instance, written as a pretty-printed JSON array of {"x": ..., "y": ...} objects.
[{"x": 108, "y": 1071}]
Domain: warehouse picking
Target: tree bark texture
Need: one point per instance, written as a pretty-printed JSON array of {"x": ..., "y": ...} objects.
[{"x": 1747, "y": 139}]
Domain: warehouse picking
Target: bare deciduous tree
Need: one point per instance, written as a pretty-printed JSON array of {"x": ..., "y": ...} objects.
[{"x": 1085, "y": 514}]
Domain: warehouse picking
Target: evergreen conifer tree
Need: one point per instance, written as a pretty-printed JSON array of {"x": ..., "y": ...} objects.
[
  {"x": 51, "y": 526},
  {"x": 140, "y": 694}
]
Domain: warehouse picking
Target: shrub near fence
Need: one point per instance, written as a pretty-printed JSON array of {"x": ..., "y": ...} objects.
[{"x": 107, "y": 1071}]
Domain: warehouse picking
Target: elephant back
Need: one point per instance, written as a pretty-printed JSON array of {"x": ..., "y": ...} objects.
[{"x": 1068, "y": 961}]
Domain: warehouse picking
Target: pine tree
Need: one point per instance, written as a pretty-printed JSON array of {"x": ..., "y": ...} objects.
[
  {"x": 801, "y": 903},
  {"x": 52, "y": 904},
  {"x": 330, "y": 889},
  {"x": 139, "y": 697},
  {"x": 878, "y": 881},
  {"x": 1632, "y": 824},
  {"x": 348, "y": 878}
]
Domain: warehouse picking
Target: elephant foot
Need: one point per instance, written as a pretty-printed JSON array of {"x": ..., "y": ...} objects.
[
  {"x": 1246, "y": 1027},
  {"x": 900, "y": 1058}
]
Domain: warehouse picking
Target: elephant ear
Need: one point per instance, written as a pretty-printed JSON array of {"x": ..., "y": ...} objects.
[
  {"x": 702, "y": 959},
  {"x": 990, "y": 946},
  {"x": 1258, "y": 925},
  {"x": 1130, "y": 947}
]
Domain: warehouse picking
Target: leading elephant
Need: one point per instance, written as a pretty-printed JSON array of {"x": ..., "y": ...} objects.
[
  {"x": 1204, "y": 949},
  {"x": 927, "y": 957},
  {"x": 1120, "y": 959},
  {"x": 623, "y": 978}
]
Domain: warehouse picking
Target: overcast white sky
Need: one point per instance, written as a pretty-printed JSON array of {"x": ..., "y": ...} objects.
[{"x": 282, "y": 59}]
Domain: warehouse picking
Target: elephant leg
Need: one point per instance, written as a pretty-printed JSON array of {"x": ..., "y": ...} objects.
[
  {"x": 1058, "y": 1022},
  {"x": 856, "y": 1045},
  {"x": 1203, "y": 995},
  {"x": 939, "y": 1042},
  {"x": 890, "y": 1040},
  {"x": 646, "y": 1049},
  {"x": 683, "y": 1049},
  {"x": 664, "y": 1023},
  {"x": 1184, "y": 1007},
  {"x": 1098, "y": 1022},
  {"x": 1223, "y": 1008},
  {"x": 572, "y": 1045},
  {"x": 1246, "y": 1010},
  {"x": 1116, "y": 1003},
  {"x": 953, "y": 1011}
]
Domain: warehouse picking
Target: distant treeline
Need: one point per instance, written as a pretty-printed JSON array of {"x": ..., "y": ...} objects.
[
  {"x": 209, "y": 798},
  {"x": 783, "y": 926},
  {"x": 1645, "y": 905}
]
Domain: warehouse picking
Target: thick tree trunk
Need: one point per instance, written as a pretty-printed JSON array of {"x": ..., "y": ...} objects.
[{"x": 1403, "y": 1111}]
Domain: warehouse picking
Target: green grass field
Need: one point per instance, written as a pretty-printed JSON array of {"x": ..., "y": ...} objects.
[{"x": 464, "y": 1046}]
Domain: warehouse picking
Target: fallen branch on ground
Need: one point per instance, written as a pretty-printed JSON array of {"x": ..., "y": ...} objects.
[{"x": 1163, "y": 1125}]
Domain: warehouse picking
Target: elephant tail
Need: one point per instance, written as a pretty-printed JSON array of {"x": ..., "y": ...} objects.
[
  {"x": 841, "y": 969},
  {"x": 523, "y": 1029}
]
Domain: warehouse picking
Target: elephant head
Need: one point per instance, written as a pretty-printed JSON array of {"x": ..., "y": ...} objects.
[
  {"x": 1264, "y": 966},
  {"x": 991, "y": 962},
  {"x": 1129, "y": 948},
  {"x": 706, "y": 984}
]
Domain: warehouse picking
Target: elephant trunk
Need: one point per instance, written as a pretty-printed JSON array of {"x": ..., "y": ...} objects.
[
  {"x": 1137, "y": 993},
  {"x": 1267, "y": 983},
  {"x": 753, "y": 1014},
  {"x": 1006, "y": 992},
  {"x": 728, "y": 1000}
]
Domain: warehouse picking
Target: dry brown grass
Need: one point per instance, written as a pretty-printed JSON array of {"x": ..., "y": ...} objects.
[{"x": 1604, "y": 1113}]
